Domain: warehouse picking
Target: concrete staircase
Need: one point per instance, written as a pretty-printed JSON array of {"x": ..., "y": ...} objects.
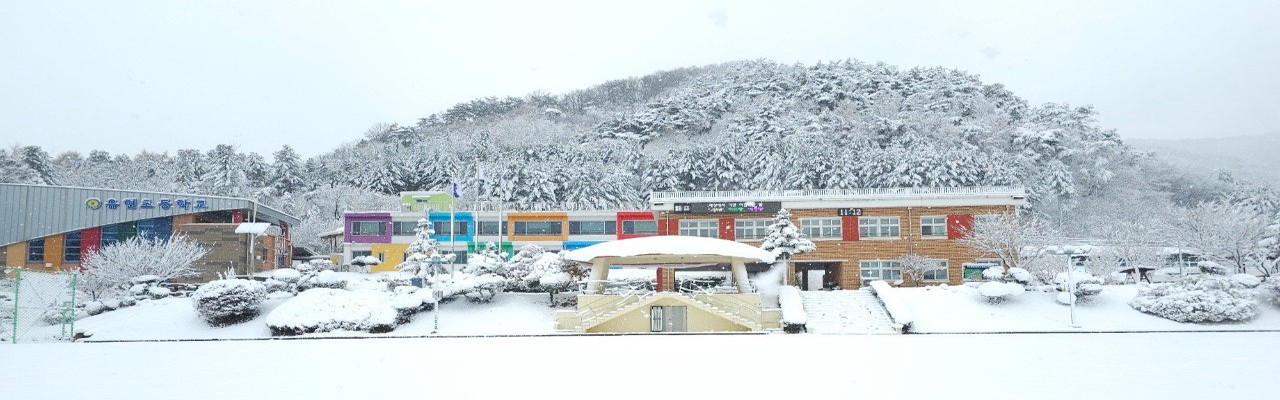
[
  {"x": 847, "y": 312},
  {"x": 629, "y": 303}
]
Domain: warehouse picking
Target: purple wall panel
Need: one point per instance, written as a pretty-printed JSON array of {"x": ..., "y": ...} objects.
[{"x": 350, "y": 218}]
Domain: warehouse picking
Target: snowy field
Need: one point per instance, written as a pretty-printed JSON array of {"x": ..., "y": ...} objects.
[
  {"x": 1012, "y": 366},
  {"x": 960, "y": 309}
]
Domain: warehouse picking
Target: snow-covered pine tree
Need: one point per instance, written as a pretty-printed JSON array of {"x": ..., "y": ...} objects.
[
  {"x": 784, "y": 240},
  {"x": 225, "y": 174},
  {"x": 424, "y": 252},
  {"x": 38, "y": 160},
  {"x": 286, "y": 171},
  {"x": 13, "y": 170},
  {"x": 1269, "y": 248}
]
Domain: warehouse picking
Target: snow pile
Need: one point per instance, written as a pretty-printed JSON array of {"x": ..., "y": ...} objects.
[
  {"x": 1246, "y": 280},
  {"x": 894, "y": 303},
  {"x": 228, "y": 301},
  {"x": 793, "y": 316},
  {"x": 998, "y": 292},
  {"x": 769, "y": 283},
  {"x": 1203, "y": 299},
  {"x": 327, "y": 310}
]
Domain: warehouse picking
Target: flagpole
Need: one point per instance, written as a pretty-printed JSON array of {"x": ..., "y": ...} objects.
[{"x": 453, "y": 245}]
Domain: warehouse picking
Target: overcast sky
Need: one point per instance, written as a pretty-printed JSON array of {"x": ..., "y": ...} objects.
[{"x": 126, "y": 76}]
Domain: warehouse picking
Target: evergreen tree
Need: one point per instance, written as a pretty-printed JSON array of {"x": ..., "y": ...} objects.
[
  {"x": 38, "y": 160},
  {"x": 13, "y": 170},
  {"x": 225, "y": 173},
  {"x": 287, "y": 172},
  {"x": 784, "y": 240}
]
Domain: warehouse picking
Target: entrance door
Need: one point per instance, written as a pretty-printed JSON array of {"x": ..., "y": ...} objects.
[
  {"x": 813, "y": 279},
  {"x": 668, "y": 319}
]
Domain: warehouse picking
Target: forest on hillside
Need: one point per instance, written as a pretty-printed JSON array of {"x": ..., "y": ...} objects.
[{"x": 741, "y": 125}]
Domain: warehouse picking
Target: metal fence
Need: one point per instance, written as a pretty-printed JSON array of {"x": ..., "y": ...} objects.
[{"x": 37, "y": 306}]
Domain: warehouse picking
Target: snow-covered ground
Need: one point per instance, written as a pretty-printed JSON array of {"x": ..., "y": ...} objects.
[
  {"x": 960, "y": 309},
  {"x": 1164, "y": 366},
  {"x": 174, "y": 318}
]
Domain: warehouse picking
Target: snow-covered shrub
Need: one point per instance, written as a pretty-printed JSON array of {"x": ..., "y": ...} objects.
[
  {"x": 148, "y": 287},
  {"x": 1246, "y": 280},
  {"x": 999, "y": 292},
  {"x": 110, "y": 269},
  {"x": 326, "y": 310},
  {"x": 327, "y": 279},
  {"x": 793, "y": 316},
  {"x": 1020, "y": 275},
  {"x": 228, "y": 301},
  {"x": 1086, "y": 284},
  {"x": 410, "y": 300},
  {"x": 1270, "y": 291},
  {"x": 520, "y": 265},
  {"x": 1199, "y": 299},
  {"x": 549, "y": 274},
  {"x": 995, "y": 273}
]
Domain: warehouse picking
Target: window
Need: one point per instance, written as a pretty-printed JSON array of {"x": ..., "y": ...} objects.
[
  {"x": 880, "y": 270},
  {"x": 110, "y": 235},
  {"x": 35, "y": 251},
  {"x": 538, "y": 228},
  {"x": 821, "y": 228},
  {"x": 404, "y": 228},
  {"x": 360, "y": 253},
  {"x": 937, "y": 272},
  {"x": 973, "y": 270},
  {"x": 593, "y": 227},
  {"x": 71, "y": 248},
  {"x": 368, "y": 228},
  {"x": 933, "y": 226},
  {"x": 699, "y": 227},
  {"x": 442, "y": 228},
  {"x": 878, "y": 227},
  {"x": 640, "y": 227},
  {"x": 751, "y": 229},
  {"x": 490, "y": 227}
]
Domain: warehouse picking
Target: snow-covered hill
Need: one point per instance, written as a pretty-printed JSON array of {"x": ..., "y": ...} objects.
[{"x": 1255, "y": 158}]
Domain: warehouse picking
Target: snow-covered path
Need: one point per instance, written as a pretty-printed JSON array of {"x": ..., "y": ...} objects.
[
  {"x": 1096, "y": 366},
  {"x": 846, "y": 312}
]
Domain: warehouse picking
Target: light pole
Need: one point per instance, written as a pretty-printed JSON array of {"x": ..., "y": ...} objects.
[
  {"x": 436, "y": 292},
  {"x": 1071, "y": 282}
]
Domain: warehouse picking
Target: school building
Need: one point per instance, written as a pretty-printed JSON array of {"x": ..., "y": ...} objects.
[{"x": 55, "y": 227}]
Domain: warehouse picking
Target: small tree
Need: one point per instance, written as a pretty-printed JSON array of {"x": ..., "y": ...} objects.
[
  {"x": 424, "y": 250},
  {"x": 1015, "y": 241},
  {"x": 784, "y": 240},
  {"x": 111, "y": 267},
  {"x": 1223, "y": 233},
  {"x": 914, "y": 266},
  {"x": 1269, "y": 248}
]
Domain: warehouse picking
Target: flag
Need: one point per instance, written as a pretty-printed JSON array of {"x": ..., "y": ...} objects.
[{"x": 456, "y": 190}]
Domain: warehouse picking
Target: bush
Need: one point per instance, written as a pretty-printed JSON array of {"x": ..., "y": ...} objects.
[
  {"x": 999, "y": 292},
  {"x": 1086, "y": 284},
  {"x": 228, "y": 301},
  {"x": 1199, "y": 299},
  {"x": 326, "y": 310}
]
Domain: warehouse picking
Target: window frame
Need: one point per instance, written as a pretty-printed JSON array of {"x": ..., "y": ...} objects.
[
  {"x": 497, "y": 226},
  {"x": 67, "y": 254},
  {"x": 396, "y": 231},
  {"x": 356, "y": 231},
  {"x": 761, "y": 230},
  {"x": 943, "y": 265},
  {"x": 436, "y": 225},
  {"x": 865, "y": 228},
  {"x": 934, "y": 227},
  {"x": 521, "y": 228},
  {"x": 714, "y": 227},
  {"x": 632, "y": 224},
  {"x": 608, "y": 227},
  {"x": 880, "y": 266},
  {"x": 830, "y": 224},
  {"x": 35, "y": 250}
]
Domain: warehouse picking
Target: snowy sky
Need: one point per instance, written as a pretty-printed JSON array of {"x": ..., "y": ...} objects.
[{"x": 124, "y": 76}]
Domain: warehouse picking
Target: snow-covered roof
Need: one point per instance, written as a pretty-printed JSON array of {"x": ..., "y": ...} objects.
[
  {"x": 256, "y": 228},
  {"x": 674, "y": 250},
  {"x": 864, "y": 197},
  {"x": 335, "y": 232}
]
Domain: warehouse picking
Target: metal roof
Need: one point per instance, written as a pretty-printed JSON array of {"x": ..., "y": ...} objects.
[{"x": 34, "y": 211}]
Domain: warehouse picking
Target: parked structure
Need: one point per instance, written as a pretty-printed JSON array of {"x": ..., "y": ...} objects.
[{"x": 54, "y": 227}]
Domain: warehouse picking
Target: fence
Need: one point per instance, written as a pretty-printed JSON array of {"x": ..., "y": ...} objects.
[{"x": 37, "y": 306}]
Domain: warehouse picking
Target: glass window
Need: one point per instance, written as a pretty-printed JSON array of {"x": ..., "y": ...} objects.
[
  {"x": 699, "y": 227},
  {"x": 937, "y": 272},
  {"x": 110, "y": 235},
  {"x": 821, "y": 228},
  {"x": 933, "y": 226},
  {"x": 593, "y": 227},
  {"x": 360, "y": 253},
  {"x": 640, "y": 227},
  {"x": 751, "y": 229},
  {"x": 442, "y": 228},
  {"x": 490, "y": 227},
  {"x": 404, "y": 228},
  {"x": 878, "y": 227},
  {"x": 35, "y": 251},
  {"x": 368, "y": 228},
  {"x": 880, "y": 270},
  {"x": 538, "y": 228},
  {"x": 71, "y": 248}
]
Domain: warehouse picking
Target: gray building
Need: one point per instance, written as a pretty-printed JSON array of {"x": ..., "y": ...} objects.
[{"x": 54, "y": 227}]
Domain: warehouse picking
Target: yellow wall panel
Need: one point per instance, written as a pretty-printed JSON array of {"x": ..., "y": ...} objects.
[
  {"x": 53, "y": 250},
  {"x": 16, "y": 255},
  {"x": 392, "y": 254}
]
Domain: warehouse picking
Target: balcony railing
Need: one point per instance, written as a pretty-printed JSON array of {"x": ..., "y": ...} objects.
[{"x": 962, "y": 191}]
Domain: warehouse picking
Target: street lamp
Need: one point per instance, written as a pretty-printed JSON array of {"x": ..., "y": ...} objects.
[{"x": 1071, "y": 280}]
